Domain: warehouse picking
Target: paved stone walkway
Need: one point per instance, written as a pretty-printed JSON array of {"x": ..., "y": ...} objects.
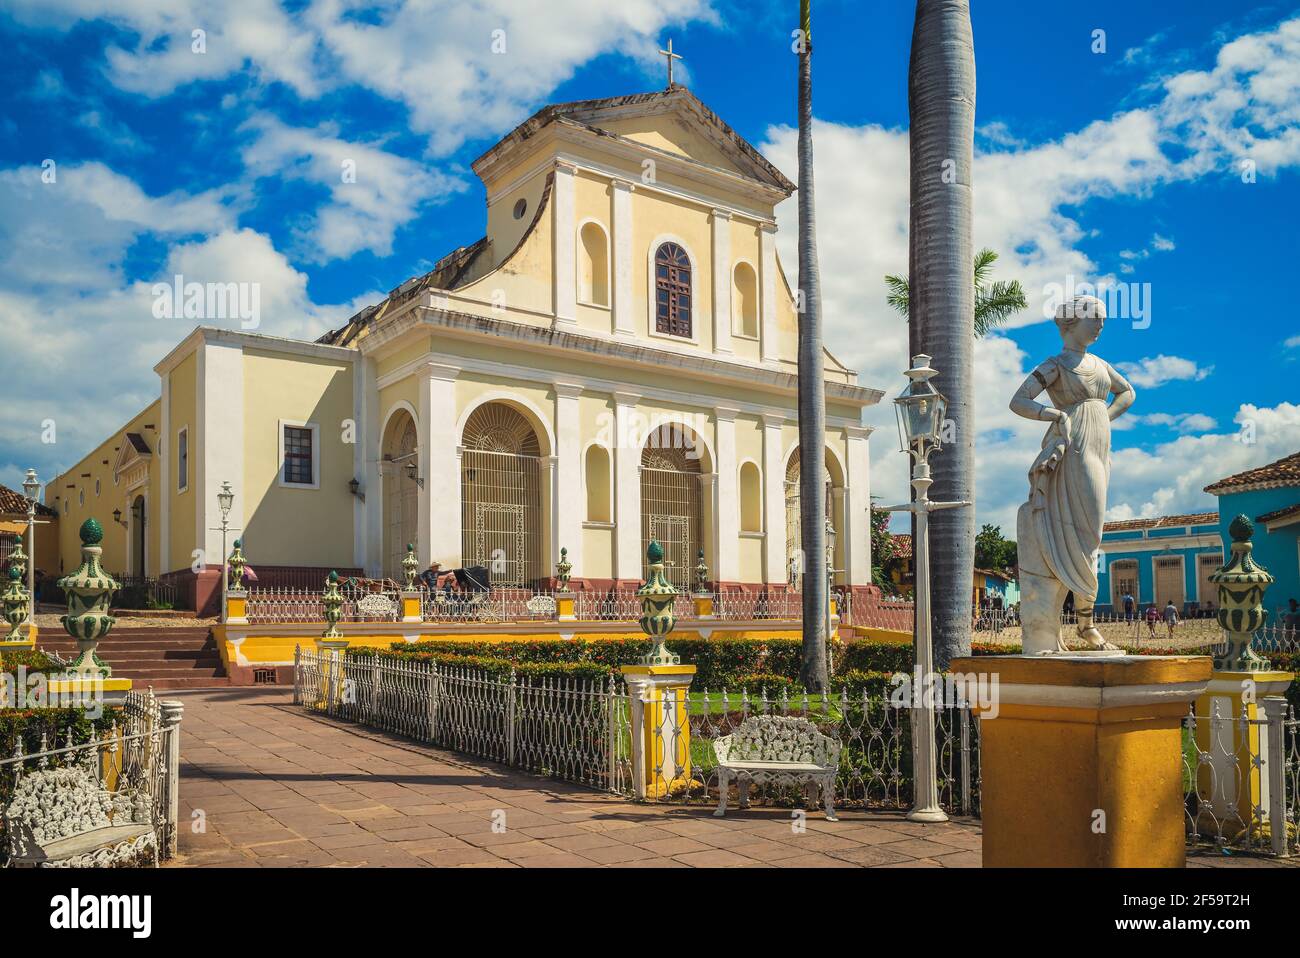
[
  {"x": 279, "y": 787},
  {"x": 275, "y": 786}
]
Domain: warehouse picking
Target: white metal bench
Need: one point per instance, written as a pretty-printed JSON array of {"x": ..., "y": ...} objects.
[
  {"x": 63, "y": 818},
  {"x": 776, "y": 748}
]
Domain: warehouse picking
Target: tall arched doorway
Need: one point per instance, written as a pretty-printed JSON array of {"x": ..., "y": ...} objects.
[
  {"x": 794, "y": 512},
  {"x": 673, "y": 469},
  {"x": 501, "y": 514},
  {"x": 401, "y": 492},
  {"x": 138, "y": 538}
]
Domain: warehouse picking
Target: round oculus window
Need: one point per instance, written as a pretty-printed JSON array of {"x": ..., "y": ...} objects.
[{"x": 521, "y": 207}]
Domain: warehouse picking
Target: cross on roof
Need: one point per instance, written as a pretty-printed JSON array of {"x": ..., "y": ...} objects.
[{"x": 670, "y": 57}]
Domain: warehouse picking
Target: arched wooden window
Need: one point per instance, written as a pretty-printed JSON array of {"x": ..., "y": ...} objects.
[{"x": 672, "y": 291}]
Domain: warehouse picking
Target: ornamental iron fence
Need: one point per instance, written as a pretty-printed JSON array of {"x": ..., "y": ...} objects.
[{"x": 130, "y": 769}]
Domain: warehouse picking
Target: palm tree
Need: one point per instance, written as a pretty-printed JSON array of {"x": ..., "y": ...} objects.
[
  {"x": 812, "y": 392},
  {"x": 941, "y": 314},
  {"x": 995, "y": 302}
]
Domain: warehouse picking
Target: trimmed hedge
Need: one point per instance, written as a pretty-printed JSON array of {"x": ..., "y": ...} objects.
[
  {"x": 31, "y": 659},
  {"x": 527, "y": 672}
]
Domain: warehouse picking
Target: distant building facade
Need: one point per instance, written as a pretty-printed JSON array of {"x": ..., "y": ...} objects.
[
  {"x": 1270, "y": 497},
  {"x": 1160, "y": 560}
]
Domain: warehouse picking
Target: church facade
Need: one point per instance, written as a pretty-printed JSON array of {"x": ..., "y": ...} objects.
[{"x": 614, "y": 361}]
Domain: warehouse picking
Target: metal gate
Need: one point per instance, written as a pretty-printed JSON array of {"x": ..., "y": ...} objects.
[{"x": 670, "y": 511}]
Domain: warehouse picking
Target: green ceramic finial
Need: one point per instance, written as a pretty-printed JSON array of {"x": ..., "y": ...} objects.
[
  {"x": 239, "y": 544},
  {"x": 655, "y": 553},
  {"x": 92, "y": 533},
  {"x": 15, "y": 573},
  {"x": 1241, "y": 529},
  {"x": 334, "y": 576},
  {"x": 410, "y": 547}
]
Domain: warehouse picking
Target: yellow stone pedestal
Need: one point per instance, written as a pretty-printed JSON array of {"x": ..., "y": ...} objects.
[
  {"x": 237, "y": 607},
  {"x": 703, "y": 603},
  {"x": 411, "y": 611},
  {"x": 565, "y": 607},
  {"x": 1231, "y": 785},
  {"x": 661, "y": 728},
  {"x": 1081, "y": 758}
]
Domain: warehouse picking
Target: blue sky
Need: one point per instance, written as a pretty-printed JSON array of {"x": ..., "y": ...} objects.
[{"x": 1122, "y": 163}]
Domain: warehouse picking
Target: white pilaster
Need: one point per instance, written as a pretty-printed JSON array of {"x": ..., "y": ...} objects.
[
  {"x": 621, "y": 246},
  {"x": 768, "y": 279},
  {"x": 220, "y": 445},
  {"x": 857, "y": 506},
  {"x": 566, "y": 245},
  {"x": 727, "y": 505},
  {"x": 570, "y": 505},
  {"x": 722, "y": 284},
  {"x": 370, "y": 533},
  {"x": 552, "y": 528},
  {"x": 627, "y": 488},
  {"x": 774, "y": 545},
  {"x": 439, "y": 458}
]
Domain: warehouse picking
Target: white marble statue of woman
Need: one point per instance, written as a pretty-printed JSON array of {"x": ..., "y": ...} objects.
[{"x": 1058, "y": 531}]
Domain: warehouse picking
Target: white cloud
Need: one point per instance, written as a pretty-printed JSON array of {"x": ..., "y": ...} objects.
[
  {"x": 462, "y": 71},
  {"x": 1183, "y": 422},
  {"x": 1030, "y": 203},
  {"x": 66, "y": 305},
  {"x": 372, "y": 192},
  {"x": 1152, "y": 371}
]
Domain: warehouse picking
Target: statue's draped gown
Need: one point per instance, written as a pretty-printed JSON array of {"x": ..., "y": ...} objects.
[{"x": 1061, "y": 524}]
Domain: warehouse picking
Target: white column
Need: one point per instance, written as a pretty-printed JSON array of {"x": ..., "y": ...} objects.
[
  {"x": 439, "y": 459},
  {"x": 768, "y": 280},
  {"x": 712, "y": 557},
  {"x": 774, "y": 545},
  {"x": 570, "y": 506},
  {"x": 727, "y": 506},
  {"x": 857, "y": 506},
  {"x": 565, "y": 279},
  {"x": 552, "y": 527},
  {"x": 370, "y": 535},
  {"x": 221, "y": 445},
  {"x": 722, "y": 283},
  {"x": 627, "y": 488},
  {"x": 621, "y": 248}
]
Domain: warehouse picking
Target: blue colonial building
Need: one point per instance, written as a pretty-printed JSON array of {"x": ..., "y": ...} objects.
[
  {"x": 1160, "y": 560},
  {"x": 1270, "y": 496}
]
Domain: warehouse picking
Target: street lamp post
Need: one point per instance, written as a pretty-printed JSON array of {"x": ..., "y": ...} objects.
[
  {"x": 31, "y": 486},
  {"x": 225, "y": 499},
  {"x": 920, "y": 409}
]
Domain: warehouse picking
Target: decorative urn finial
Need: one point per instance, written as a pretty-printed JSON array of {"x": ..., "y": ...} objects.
[
  {"x": 701, "y": 574},
  {"x": 1241, "y": 613},
  {"x": 18, "y": 559},
  {"x": 236, "y": 564},
  {"x": 563, "y": 571},
  {"x": 90, "y": 594},
  {"x": 657, "y": 619},
  {"x": 16, "y": 603},
  {"x": 409, "y": 564},
  {"x": 332, "y": 603}
]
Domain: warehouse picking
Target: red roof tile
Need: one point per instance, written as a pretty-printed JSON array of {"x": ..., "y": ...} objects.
[
  {"x": 15, "y": 504},
  {"x": 1283, "y": 472},
  {"x": 1162, "y": 522}
]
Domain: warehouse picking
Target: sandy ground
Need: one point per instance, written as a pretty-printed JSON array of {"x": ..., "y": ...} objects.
[{"x": 48, "y": 623}]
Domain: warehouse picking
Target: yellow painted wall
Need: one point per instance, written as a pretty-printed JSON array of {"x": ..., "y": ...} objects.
[
  {"x": 60, "y": 543},
  {"x": 287, "y": 525}
]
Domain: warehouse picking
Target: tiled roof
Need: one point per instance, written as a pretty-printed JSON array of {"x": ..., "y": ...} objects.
[
  {"x": 902, "y": 545},
  {"x": 1283, "y": 513},
  {"x": 15, "y": 504},
  {"x": 1283, "y": 472},
  {"x": 1163, "y": 522}
]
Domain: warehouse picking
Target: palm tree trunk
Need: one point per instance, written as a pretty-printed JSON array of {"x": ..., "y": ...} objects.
[
  {"x": 941, "y": 108},
  {"x": 812, "y": 394}
]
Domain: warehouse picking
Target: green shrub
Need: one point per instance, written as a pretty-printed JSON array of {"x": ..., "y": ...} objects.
[
  {"x": 768, "y": 684},
  {"x": 527, "y": 672},
  {"x": 856, "y": 681},
  {"x": 30, "y": 659}
]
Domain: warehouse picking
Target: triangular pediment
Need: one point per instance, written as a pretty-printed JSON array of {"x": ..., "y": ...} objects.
[
  {"x": 133, "y": 458},
  {"x": 672, "y": 121}
]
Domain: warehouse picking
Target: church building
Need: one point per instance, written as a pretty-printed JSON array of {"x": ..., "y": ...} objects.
[{"x": 614, "y": 361}]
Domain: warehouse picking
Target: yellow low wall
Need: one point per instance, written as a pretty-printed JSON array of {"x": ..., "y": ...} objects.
[{"x": 247, "y": 647}]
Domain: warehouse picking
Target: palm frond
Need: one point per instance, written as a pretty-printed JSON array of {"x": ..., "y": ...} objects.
[
  {"x": 984, "y": 261},
  {"x": 899, "y": 293},
  {"x": 997, "y": 303}
]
